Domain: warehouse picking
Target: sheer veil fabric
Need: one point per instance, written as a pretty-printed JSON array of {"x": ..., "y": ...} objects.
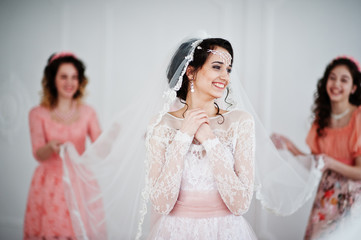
[{"x": 106, "y": 187}]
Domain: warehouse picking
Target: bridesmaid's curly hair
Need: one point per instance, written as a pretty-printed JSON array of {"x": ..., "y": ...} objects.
[
  {"x": 322, "y": 105},
  {"x": 49, "y": 98}
]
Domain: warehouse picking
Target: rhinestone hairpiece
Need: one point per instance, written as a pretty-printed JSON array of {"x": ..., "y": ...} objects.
[{"x": 226, "y": 57}]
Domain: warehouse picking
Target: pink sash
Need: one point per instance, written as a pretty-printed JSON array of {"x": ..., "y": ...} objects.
[{"x": 199, "y": 205}]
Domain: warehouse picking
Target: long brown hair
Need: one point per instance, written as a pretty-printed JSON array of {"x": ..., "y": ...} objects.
[{"x": 322, "y": 104}]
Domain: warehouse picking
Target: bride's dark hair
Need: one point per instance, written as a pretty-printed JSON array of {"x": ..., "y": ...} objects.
[
  {"x": 199, "y": 58},
  {"x": 322, "y": 104}
]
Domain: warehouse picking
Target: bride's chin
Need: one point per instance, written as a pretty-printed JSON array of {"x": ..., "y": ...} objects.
[
  {"x": 219, "y": 95},
  {"x": 216, "y": 96}
]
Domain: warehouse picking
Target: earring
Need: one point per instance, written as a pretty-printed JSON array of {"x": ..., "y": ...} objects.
[{"x": 192, "y": 86}]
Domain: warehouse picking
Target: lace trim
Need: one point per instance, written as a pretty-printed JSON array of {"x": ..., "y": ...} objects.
[
  {"x": 209, "y": 144},
  {"x": 183, "y": 137}
]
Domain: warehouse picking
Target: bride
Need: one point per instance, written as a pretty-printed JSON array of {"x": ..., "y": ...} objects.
[
  {"x": 198, "y": 172},
  {"x": 202, "y": 157}
]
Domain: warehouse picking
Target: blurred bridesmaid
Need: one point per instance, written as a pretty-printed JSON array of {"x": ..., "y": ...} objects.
[
  {"x": 61, "y": 117},
  {"x": 335, "y": 136}
]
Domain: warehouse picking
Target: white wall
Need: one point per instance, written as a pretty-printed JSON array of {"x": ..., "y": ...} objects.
[{"x": 281, "y": 47}]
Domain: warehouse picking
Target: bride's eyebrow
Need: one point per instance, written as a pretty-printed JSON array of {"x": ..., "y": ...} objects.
[{"x": 230, "y": 65}]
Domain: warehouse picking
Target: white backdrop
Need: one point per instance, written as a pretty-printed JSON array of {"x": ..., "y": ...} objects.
[{"x": 281, "y": 47}]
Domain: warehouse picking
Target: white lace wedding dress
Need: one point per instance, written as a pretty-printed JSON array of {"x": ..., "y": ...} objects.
[{"x": 200, "y": 191}]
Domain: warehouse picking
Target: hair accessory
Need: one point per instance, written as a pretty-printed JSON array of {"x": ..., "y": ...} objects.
[
  {"x": 199, "y": 47},
  {"x": 61, "y": 55},
  {"x": 192, "y": 86},
  {"x": 226, "y": 57},
  {"x": 351, "y": 59}
]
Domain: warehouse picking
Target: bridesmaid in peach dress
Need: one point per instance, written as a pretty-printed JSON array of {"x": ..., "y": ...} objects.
[
  {"x": 336, "y": 136},
  {"x": 61, "y": 117}
]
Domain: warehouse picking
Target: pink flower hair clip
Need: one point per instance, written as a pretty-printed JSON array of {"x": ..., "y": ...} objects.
[
  {"x": 351, "y": 59},
  {"x": 61, "y": 55}
]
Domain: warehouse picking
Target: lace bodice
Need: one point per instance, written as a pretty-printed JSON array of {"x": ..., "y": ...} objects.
[{"x": 225, "y": 163}]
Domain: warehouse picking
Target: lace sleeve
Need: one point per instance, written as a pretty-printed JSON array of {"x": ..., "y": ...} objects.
[
  {"x": 36, "y": 131},
  {"x": 166, "y": 151},
  {"x": 234, "y": 173}
]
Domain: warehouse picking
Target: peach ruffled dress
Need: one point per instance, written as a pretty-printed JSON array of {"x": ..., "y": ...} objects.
[
  {"x": 47, "y": 215},
  {"x": 334, "y": 196}
]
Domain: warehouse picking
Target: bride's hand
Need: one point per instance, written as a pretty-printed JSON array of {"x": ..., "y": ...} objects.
[
  {"x": 193, "y": 119},
  {"x": 204, "y": 133}
]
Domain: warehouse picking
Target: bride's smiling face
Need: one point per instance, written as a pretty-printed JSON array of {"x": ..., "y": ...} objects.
[{"x": 214, "y": 76}]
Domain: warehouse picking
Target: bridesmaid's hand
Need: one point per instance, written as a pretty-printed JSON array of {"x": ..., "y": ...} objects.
[
  {"x": 281, "y": 142},
  {"x": 54, "y": 146},
  {"x": 329, "y": 162},
  {"x": 45, "y": 152}
]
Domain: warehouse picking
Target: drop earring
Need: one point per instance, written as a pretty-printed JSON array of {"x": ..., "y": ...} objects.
[{"x": 192, "y": 86}]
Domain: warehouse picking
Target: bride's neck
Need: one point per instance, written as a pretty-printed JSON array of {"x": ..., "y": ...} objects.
[{"x": 206, "y": 105}]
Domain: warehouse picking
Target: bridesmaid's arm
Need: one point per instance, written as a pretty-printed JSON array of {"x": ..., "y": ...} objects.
[
  {"x": 353, "y": 172},
  {"x": 42, "y": 150},
  {"x": 45, "y": 152},
  {"x": 295, "y": 150},
  {"x": 282, "y": 142},
  {"x": 94, "y": 127}
]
